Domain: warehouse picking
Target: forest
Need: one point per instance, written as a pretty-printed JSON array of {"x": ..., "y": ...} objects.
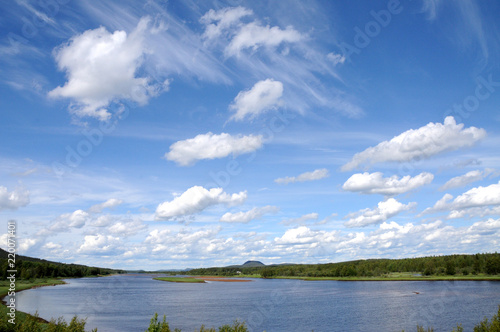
[
  {"x": 486, "y": 263},
  {"x": 32, "y": 268}
]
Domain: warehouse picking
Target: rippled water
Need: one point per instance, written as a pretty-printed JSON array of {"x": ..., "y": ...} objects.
[{"x": 127, "y": 303}]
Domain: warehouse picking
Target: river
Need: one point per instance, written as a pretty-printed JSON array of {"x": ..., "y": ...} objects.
[{"x": 127, "y": 303}]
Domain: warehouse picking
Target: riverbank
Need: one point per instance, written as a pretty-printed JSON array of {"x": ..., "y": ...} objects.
[
  {"x": 397, "y": 276},
  {"x": 199, "y": 279},
  {"x": 21, "y": 286}
]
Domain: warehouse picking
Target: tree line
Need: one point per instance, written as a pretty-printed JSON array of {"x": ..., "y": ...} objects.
[
  {"x": 31, "y": 268},
  {"x": 486, "y": 263}
]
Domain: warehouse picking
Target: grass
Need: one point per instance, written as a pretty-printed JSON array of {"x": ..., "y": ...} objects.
[
  {"x": 27, "y": 284},
  {"x": 23, "y": 285},
  {"x": 180, "y": 279}
]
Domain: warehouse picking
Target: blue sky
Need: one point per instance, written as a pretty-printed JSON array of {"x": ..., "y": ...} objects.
[{"x": 169, "y": 134}]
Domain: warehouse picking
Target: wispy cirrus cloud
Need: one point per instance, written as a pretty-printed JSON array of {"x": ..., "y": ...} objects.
[{"x": 468, "y": 28}]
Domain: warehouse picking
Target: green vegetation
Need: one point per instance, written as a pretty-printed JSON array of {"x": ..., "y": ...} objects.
[
  {"x": 32, "y": 323},
  {"x": 157, "y": 326},
  {"x": 34, "y": 272},
  {"x": 29, "y": 323},
  {"x": 33, "y": 268},
  {"x": 180, "y": 279},
  {"x": 25, "y": 284},
  {"x": 465, "y": 267}
]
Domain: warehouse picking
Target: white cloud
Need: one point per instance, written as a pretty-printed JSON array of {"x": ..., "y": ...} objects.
[
  {"x": 336, "y": 58},
  {"x": 473, "y": 202},
  {"x": 127, "y": 227},
  {"x": 185, "y": 242},
  {"x": 384, "y": 210},
  {"x": 99, "y": 244},
  {"x": 469, "y": 177},
  {"x": 375, "y": 183},
  {"x": 317, "y": 174},
  {"x": 101, "y": 67},
  {"x": 66, "y": 221},
  {"x": 301, "y": 219},
  {"x": 195, "y": 200},
  {"x": 109, "y": 204},
  {"x": 242, "y": 36},
  {"x": 52, "y": 245},
  {"x": 423, "y": 142},
  {"x": 303, "y": 235},
  {"x": 253, "y": 35},
  {"x": 12, "y": 200},
  {"x": 26, "y": 243},
  {"x": 218, "y": 22},
  {"x": 479, "y": 196},
  {"x": 244, "y": 217},
  {"x": 263, "y": 96},
  {"x": 211, "y": 146},
  {"x": 266, "y": 51}
]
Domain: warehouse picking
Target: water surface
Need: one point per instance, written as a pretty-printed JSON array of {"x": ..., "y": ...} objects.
[{"x": 127, "y": 303}]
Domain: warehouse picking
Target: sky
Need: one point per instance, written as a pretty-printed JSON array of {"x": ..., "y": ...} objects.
[{"x": 181, "y": 134}]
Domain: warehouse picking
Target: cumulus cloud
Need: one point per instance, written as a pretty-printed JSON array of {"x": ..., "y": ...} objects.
[
  {"x": 245, "y": 217},
  {"x": 263, "y": 96},
  {"x": 375, "y": 183},
  {"x": 220, "y": 21},
  {"x": 126, "y": 228},
  {"x": 12, "y": 200},
  {"x": 212, "y": 146},
  {"x": 26, "y": 243},
  {"x": 101, "y": 67},
  {"x": 317, "y": 174},
  {"x": 469, "y": 177},
  {"x": 253, "y": 35},
  {"x": 185, "y": 242},
  {"x": 109, "y": 204},
  {"x": 472, "y": 202},
  {"x": 301, "y": 219},
  {"x": 335, "y": 58},
  {"x": 99, "y": 244},
  {"x": 67, "y": 221},
  {"x": 423, "y": 142},
  {"x": 479, "y": 196},
  {"x": 384, "y": 210},
  {"x": 303, "y": 235},
  {"x": 52, "y": 246},
  {"x": 197, "y": 199},
  {"x": 242, "y": 36}
]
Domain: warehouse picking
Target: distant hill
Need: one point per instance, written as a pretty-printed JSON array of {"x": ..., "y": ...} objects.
[
  {"x": 253, "y": 264},
  {"x": 247, "y": 264}
]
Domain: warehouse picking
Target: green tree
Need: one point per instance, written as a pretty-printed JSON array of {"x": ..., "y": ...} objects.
[{"x": 267, "y": 272}]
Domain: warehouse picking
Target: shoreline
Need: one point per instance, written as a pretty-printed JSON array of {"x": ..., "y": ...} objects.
[
  {"x": 389, "y": 278},
  {"x": 54, "y": 282}
]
